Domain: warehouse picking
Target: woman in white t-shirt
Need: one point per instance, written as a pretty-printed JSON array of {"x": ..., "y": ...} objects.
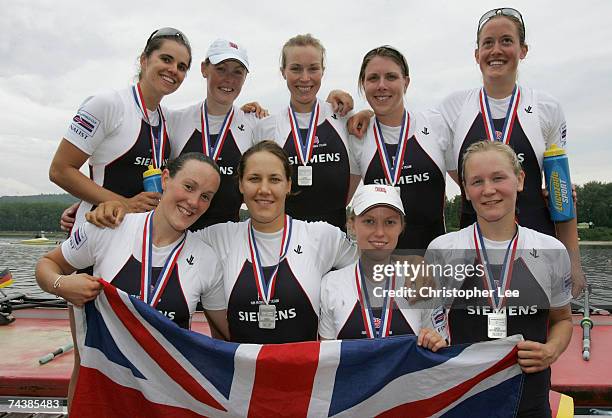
[
  {"x": 356, "y": 301},
  {"x": 520, "y": 279},
  {"x": 120, "y": 133},
  {"x": 272, "y": 263},
  {"x": 149, "y": 255}
]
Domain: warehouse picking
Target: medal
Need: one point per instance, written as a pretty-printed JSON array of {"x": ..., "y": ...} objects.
[
  {"x": 267, "y": 312},
  {"x": 392, "y": 169},
  {"x": 374, "y": 327},
  {"x": 303, "y": 148},
  {"x": 210, "y": 150},
  {"x": 497, "y": 325},
  {"x": 304, "y": 175},
  {"x": 496, "y": 321},
  {"x": 151, "y": 292},
  {"x": 158, "y": 142},
  {"x": 485, "y": 110},
  {"x": 267, "y": 316}
]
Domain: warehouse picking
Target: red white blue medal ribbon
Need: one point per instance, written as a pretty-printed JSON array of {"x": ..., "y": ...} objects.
[
  {"x": 210, "y": 150},
  {"x": 506, "y": 272},
  {"x": 392, "y": 169},
  {"x": 267, "y": 292},
  {"x": 386, "y": 313},
  {"x": 158, "y": 142},
  {"x": 303, "y": 148},
  {"x": 485, "y": 110},
  {"x": 151, "y": 293}
]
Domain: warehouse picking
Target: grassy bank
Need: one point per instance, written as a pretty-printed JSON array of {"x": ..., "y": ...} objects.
[{"x": 595, "y": 234}]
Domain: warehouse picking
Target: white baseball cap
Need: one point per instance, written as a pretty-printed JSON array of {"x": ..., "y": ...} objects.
[
  {"x": 371, "y": 195},
  {"x": 222, "y": 50}
]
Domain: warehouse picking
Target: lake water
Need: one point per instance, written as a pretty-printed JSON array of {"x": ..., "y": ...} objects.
[{"x": 21, "y": 259}]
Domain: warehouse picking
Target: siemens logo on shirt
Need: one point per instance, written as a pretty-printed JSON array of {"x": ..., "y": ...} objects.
[
  {"x": 409, "y": 179},
  {"x": 254, "y": 316},
  {"x": 319, "y": 158},
  {"x": 168, "y": 314},
  {"x": 147, "y": 161},
  {"x": 508, "y": 310}
]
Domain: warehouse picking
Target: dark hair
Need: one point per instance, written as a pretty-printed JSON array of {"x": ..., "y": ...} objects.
[
  {"x": 265, "y": 146},
  {"x": 302, "y": 40},
  {"x": 155, "y": 42},
  {"x": 517, "y": 22},
  {"x": 382, "y": 51},
  {"x": 175, "y": 165}
]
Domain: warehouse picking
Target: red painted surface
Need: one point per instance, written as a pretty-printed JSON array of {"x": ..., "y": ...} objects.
[
  {"x": 588, "y": 382},
  {"x": 32, "y": 336}
]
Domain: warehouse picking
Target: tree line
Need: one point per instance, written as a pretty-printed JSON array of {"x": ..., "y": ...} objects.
[
  {"x": 594, "y": 205},
  {"x": 42, "y": 213}
]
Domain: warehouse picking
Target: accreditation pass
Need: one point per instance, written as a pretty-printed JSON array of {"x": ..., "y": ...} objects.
[
  {"x": 33, "y": 405},
  {"x": 497, "y": 326}
]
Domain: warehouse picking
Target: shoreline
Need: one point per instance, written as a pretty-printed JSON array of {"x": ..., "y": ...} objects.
[{"x": 596, "y": 243}]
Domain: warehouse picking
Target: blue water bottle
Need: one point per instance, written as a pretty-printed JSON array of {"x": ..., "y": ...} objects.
[
  {"x": 558, "y": 184},
  {"x": 151, "y": 180}
]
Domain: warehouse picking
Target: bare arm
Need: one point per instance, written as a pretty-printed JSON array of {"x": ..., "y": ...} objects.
[
  {"x": 567, "y": 233},
  {"x": 353, "y": 184},
  {"x": 534, "y": 357},
  {"x": 54, "y": 275},
  {"x": 217, "y": 320},
  {"x": 64, "y": 172},
  {"x": 359, "y": 122}
]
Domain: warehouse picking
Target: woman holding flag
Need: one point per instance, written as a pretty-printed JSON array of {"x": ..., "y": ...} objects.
[
  {"x": 353, "y": 304},
  {"x": 314, "y": 136},
  {"x": 529, "y": 121},
  {"x": 524, "y": 286},
  {"x": 401, "y": 148},
  {"x": 122, "y": 132},
  {"x": 272, "y": 263},
  {"x": 150, "y": 255}
]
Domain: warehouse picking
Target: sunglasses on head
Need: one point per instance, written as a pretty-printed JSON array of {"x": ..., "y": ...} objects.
[
  {"x": 502, "y": 11},
  {"x": 168, "y": 33}
]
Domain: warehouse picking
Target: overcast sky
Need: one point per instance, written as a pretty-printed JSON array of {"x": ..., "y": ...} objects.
[{"x": 58, "y": 53}]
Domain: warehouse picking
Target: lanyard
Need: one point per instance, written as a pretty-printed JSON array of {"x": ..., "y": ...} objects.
[
  {"x": 267, "y": 292},
  {"x": 485, "y": 110},
  {"x": 158, "y": 142},
  {"x": 303, "y": 147},
  {"x": 392, "y": 169},
  {"x": 506, "y": 273},
  {"x": 151, "y": 293},
  {"x": 369, "y": 323},
  {"x": 210, "y": 150}
]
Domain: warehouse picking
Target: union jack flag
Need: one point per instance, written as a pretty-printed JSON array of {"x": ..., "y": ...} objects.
[{"x": 136, "y": 363}]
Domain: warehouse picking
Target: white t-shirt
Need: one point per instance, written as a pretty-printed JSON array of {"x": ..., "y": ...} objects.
[
  {"x": 341, "y": 315},
  {"x": 314, "y": 249},
  {"x": 116, "y": 257},
  {"x": 110, "y": 128}
]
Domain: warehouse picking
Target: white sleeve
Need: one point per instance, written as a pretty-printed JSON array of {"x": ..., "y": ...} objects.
[
  {"x": 97, "y": 118},
  {"x": 80, "y": 250},
  {"x": 552, "y": 121},
  {"x": 561, "y": 278},
  {"x": 450, "y": 109},
  {"x": 326, "y": 317},
  {"x": 265, "y": 129},
  {"x": 213, "y": 295},
  {"x": 346, "y": 250},
  {"x": 220, "y": 237},
  {"x": 443, "y": 136},
  {"x": 355, "y": 150},
  {"x": 435, "y": 319}
]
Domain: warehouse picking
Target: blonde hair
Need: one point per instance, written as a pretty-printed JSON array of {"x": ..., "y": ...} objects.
[
  {"x": 495, "y": 146},
  {"x": 302, "y": 40}
]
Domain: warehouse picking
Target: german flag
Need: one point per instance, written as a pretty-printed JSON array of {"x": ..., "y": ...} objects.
[{"x": 6, "y": 278}]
